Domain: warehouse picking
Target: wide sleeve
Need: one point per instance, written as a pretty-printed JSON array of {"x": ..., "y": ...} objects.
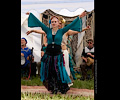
[
  {"x": 75, "y": 25},
  {"x": 35, "y": 22}
]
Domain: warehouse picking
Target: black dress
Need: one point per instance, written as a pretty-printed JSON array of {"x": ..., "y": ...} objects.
[{"x": 53, "y": 82}]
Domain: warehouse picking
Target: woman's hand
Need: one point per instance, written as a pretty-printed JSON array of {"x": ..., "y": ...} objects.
[
  {"x": 88, "y": 27},
  {"x": 27, "y": 13},
  {"x": 84, "y": 29},
  {"x": 28, "y": 32}
]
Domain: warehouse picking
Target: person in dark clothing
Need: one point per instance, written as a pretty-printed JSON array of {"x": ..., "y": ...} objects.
[
  {"x": 88, "y": 59},
  {"x": 25, "y": 53},
  {"x": 28, "y": 68}
]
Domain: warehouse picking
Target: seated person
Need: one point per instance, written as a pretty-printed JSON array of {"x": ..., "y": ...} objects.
[
  {"x": 26, "y": 53},
  {"x": 88, "y": 59}
]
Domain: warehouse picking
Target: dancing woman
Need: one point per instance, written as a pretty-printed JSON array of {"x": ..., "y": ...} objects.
[
  {"x": 68, "y": 58},
  {"x": 53, "y": 73}
]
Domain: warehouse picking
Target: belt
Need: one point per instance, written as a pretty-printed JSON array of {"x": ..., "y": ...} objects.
[{"x": 53, "y": 49}]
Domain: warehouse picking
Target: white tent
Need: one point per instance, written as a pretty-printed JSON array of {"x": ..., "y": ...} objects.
[
  {"x": 56, "y": 5},
  {"x": 66, "y": 12},
  {"x": 34, "y": 40}
]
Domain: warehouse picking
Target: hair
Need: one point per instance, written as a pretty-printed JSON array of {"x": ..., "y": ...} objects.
[
  {"x": 60, "y": 18},
  {"x": 54, "y": 17},
  {"x": 90, "y": 40}
]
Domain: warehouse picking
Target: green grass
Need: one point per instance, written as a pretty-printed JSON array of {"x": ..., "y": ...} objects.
[
  {"x": 86, "y": 84},
  {"x": 39, "y": 96},
  {"x": 83, "y": 84},
  {"x": 34, "y": 81}
]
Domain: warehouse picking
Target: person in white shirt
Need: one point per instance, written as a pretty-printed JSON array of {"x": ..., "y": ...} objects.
[{"x": 88, "y": 59}]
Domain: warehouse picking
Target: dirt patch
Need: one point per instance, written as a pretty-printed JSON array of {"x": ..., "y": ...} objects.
[{"x": 72, "y": 91}]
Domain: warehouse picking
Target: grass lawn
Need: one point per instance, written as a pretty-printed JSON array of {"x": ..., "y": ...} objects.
[
  {"x": 35, "y": 81},
  {"x": 38, "y": 96},
  {"x": 86, "y": 84}
]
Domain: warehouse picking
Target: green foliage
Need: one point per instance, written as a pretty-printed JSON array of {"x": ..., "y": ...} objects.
[
  {"x": 86, "y": 84},
  {"x": 39, "y": 96}
]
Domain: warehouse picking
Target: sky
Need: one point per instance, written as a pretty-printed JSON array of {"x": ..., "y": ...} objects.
[{"x": 56, "y": 5}]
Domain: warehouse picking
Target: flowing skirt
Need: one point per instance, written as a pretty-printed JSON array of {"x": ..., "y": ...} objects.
[{"x": 53, "y": 73}]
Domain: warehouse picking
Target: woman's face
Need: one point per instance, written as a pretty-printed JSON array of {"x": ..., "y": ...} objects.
[
  {"x": 54, "y": 22},
  {"x": 60, "y": 25}
]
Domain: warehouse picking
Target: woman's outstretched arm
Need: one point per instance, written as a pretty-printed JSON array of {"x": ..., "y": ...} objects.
[
  {"x": 34, "y": 22},
  {"x": 75, "y": 25},
  {"x": 71, "y": 32},
  {"x": 36, "y": 31}
]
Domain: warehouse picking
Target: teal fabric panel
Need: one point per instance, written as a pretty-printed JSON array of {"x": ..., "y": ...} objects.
[{"x": 71, "y": 67}]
